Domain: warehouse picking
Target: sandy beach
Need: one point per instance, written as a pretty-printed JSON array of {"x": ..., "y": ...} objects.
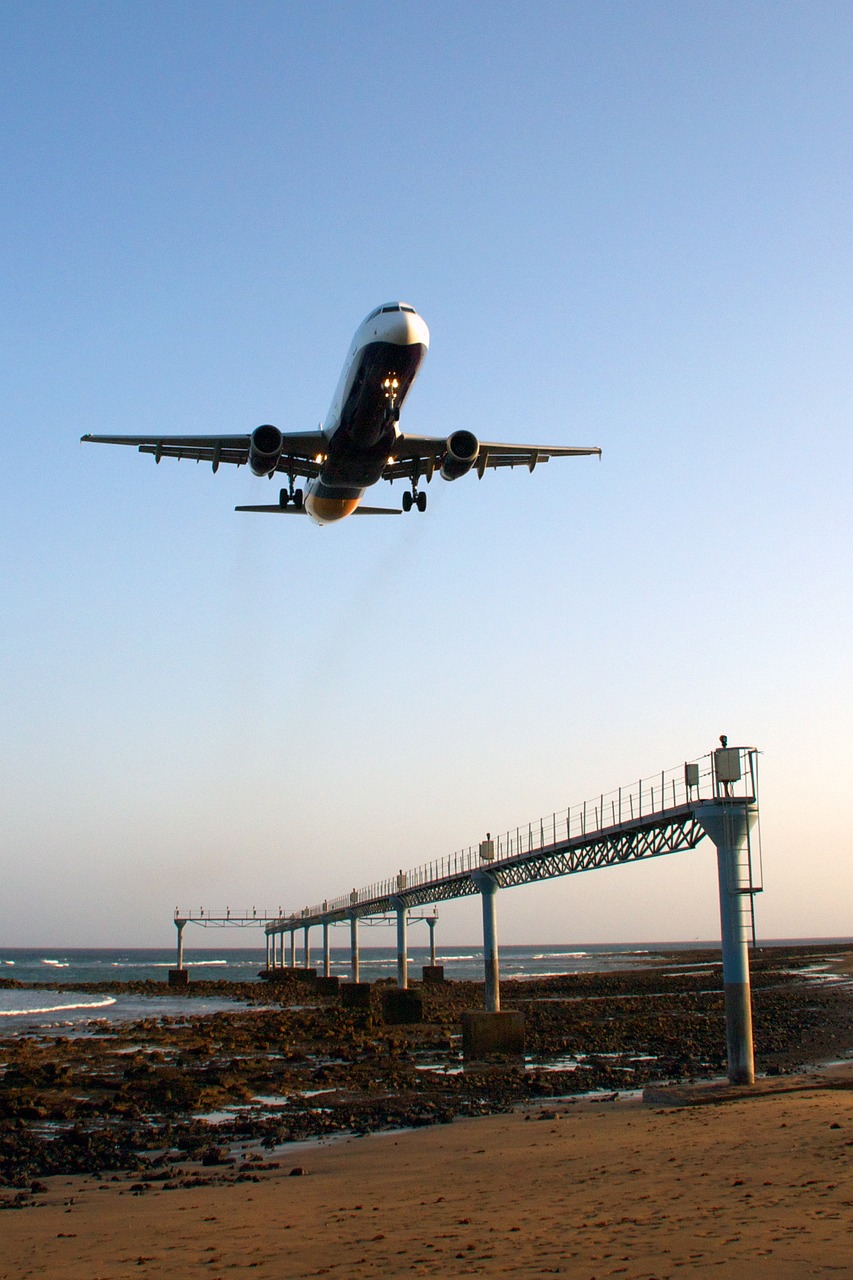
[{"x": 753, "y": 1187}]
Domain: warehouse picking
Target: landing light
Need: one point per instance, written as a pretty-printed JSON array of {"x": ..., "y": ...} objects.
[{"x": 320, "y": 457}]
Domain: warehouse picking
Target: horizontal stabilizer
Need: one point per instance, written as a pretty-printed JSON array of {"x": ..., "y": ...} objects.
[
  {"x": 278, "y": 509},
  {"x": 300, "y": 511}
]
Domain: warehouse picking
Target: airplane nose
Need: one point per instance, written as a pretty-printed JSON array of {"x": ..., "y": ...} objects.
[{"x": 405, "y": 328}]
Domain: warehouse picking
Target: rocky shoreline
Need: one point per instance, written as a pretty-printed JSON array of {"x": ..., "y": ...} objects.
[{"x": 185, "y": 1100}]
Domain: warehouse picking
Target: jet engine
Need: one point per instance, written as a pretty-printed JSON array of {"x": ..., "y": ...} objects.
[
  {"x": 265, "y": 445},
  {"x": 461, "y": 454}
]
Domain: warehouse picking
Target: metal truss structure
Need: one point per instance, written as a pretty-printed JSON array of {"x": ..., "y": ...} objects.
[{"x": 671, "y": 831}]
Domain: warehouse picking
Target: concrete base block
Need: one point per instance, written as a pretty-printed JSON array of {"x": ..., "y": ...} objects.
[
  {"x": 400, "y": 1006},
  {"x": 179, "y": 977},
  {"x": 433, "y": 973},
  {"x": 355, "y": 995},
  {"x": 308, "y": 976},
  {"x": 492, "y": 1035},
  {"x": 280, "y": 975},
  {"x": 327, "y": 986}
]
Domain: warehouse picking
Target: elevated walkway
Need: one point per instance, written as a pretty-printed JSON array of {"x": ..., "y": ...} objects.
[{"x": 715, "y": 796}]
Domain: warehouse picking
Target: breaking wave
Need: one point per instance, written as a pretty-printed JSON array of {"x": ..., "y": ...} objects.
[{"x": 57, "y": 1008}]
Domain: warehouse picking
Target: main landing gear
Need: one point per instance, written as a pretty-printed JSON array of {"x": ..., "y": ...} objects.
[
  {"x": 290, "y": 495},
  {"x": 414, "y": 499}
]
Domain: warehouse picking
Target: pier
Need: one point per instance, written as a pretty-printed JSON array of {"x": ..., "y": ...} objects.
[
  {"x": 715, "y": 796},
  {"x": 179, "y": 976}
]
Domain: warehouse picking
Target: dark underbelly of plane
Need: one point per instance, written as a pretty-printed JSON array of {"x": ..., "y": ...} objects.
[
  {"x": 364, "y": 417},
  {"x": 347, "y": 464}
]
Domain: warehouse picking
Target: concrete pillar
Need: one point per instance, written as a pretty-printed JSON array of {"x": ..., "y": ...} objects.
[
  {"x": 353, "y": 945},
  {"x": 327, "y": 953},
  {"x": 432, "y": 921},
  {"x": 728, "y": 823},
  {"x": 487, "y": 887},
  {"x": 292, "y": 948},
  {"x": 400, "y": 907},
  {"x": 179, "y": 977},
  {"x": 307, "y": 948},
  {"x": 267, "y": 966}
]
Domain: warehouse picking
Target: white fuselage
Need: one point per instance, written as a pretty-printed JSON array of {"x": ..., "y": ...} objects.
[{"x": 383, "y": 361}]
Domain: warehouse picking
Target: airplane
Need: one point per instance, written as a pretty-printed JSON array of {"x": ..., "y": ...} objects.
[{"x": 361, "y": 442}]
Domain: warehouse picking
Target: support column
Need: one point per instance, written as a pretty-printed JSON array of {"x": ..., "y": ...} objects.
[
  {"x": 728, "y": 823},
  {"x": 292, "y": 949},
  {"x": 488, "y": 888},
  {"x": 488, "y": 1033},
  {"x": 179, "y": 977},
  {"x": 307, "y": 948},
  {"x": 399, "y": 905},
  {"x": 432, "y": 921},
  {"x": 353, "y": 944},
  {"x": 327, "y": 954},
  {"x": 268, "y": 966}
]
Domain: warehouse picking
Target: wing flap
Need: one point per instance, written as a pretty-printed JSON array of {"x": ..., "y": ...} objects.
[{"x": 418, "y": 455}]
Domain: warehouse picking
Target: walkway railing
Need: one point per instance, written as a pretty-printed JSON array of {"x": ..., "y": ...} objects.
[{"x": 647, "y": 799}]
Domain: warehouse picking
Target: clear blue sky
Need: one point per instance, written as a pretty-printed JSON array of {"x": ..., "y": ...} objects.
[{"x": 625, "y": 224}]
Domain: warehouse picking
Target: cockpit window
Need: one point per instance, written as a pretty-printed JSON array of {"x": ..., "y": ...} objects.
[
  {"x": 412, "y": 309},
  {"x": 390, "y": 309},
  {"x": 374, "y": 314}
]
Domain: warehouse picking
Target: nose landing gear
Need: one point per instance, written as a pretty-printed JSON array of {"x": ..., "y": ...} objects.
[{"x": 391, "y": 387}]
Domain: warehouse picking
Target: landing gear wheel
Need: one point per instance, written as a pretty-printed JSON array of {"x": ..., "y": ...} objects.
[
  {"x": 283, "y": 498},
  {"x": 297, "y": 499},
  {"x": 421, "y": 501},
  {"x": 407, "y": 501}
]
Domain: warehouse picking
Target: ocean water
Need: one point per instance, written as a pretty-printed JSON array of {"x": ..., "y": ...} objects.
[
  {"x": 242, "y": 964},
  {"x": 38, "y": 1006}
]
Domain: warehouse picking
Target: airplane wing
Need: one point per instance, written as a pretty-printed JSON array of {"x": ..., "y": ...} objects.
[
  {"x": 297, "y": 456},
  {"x": 421, "y": 454}
]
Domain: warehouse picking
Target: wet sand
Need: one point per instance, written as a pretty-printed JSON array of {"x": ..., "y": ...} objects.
[{"x": 753, "y": 1187}]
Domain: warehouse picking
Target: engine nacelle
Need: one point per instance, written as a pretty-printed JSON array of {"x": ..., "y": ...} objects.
[
  {"x": 265, "y": 446},
  {"x": 462, "y": 449}
]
